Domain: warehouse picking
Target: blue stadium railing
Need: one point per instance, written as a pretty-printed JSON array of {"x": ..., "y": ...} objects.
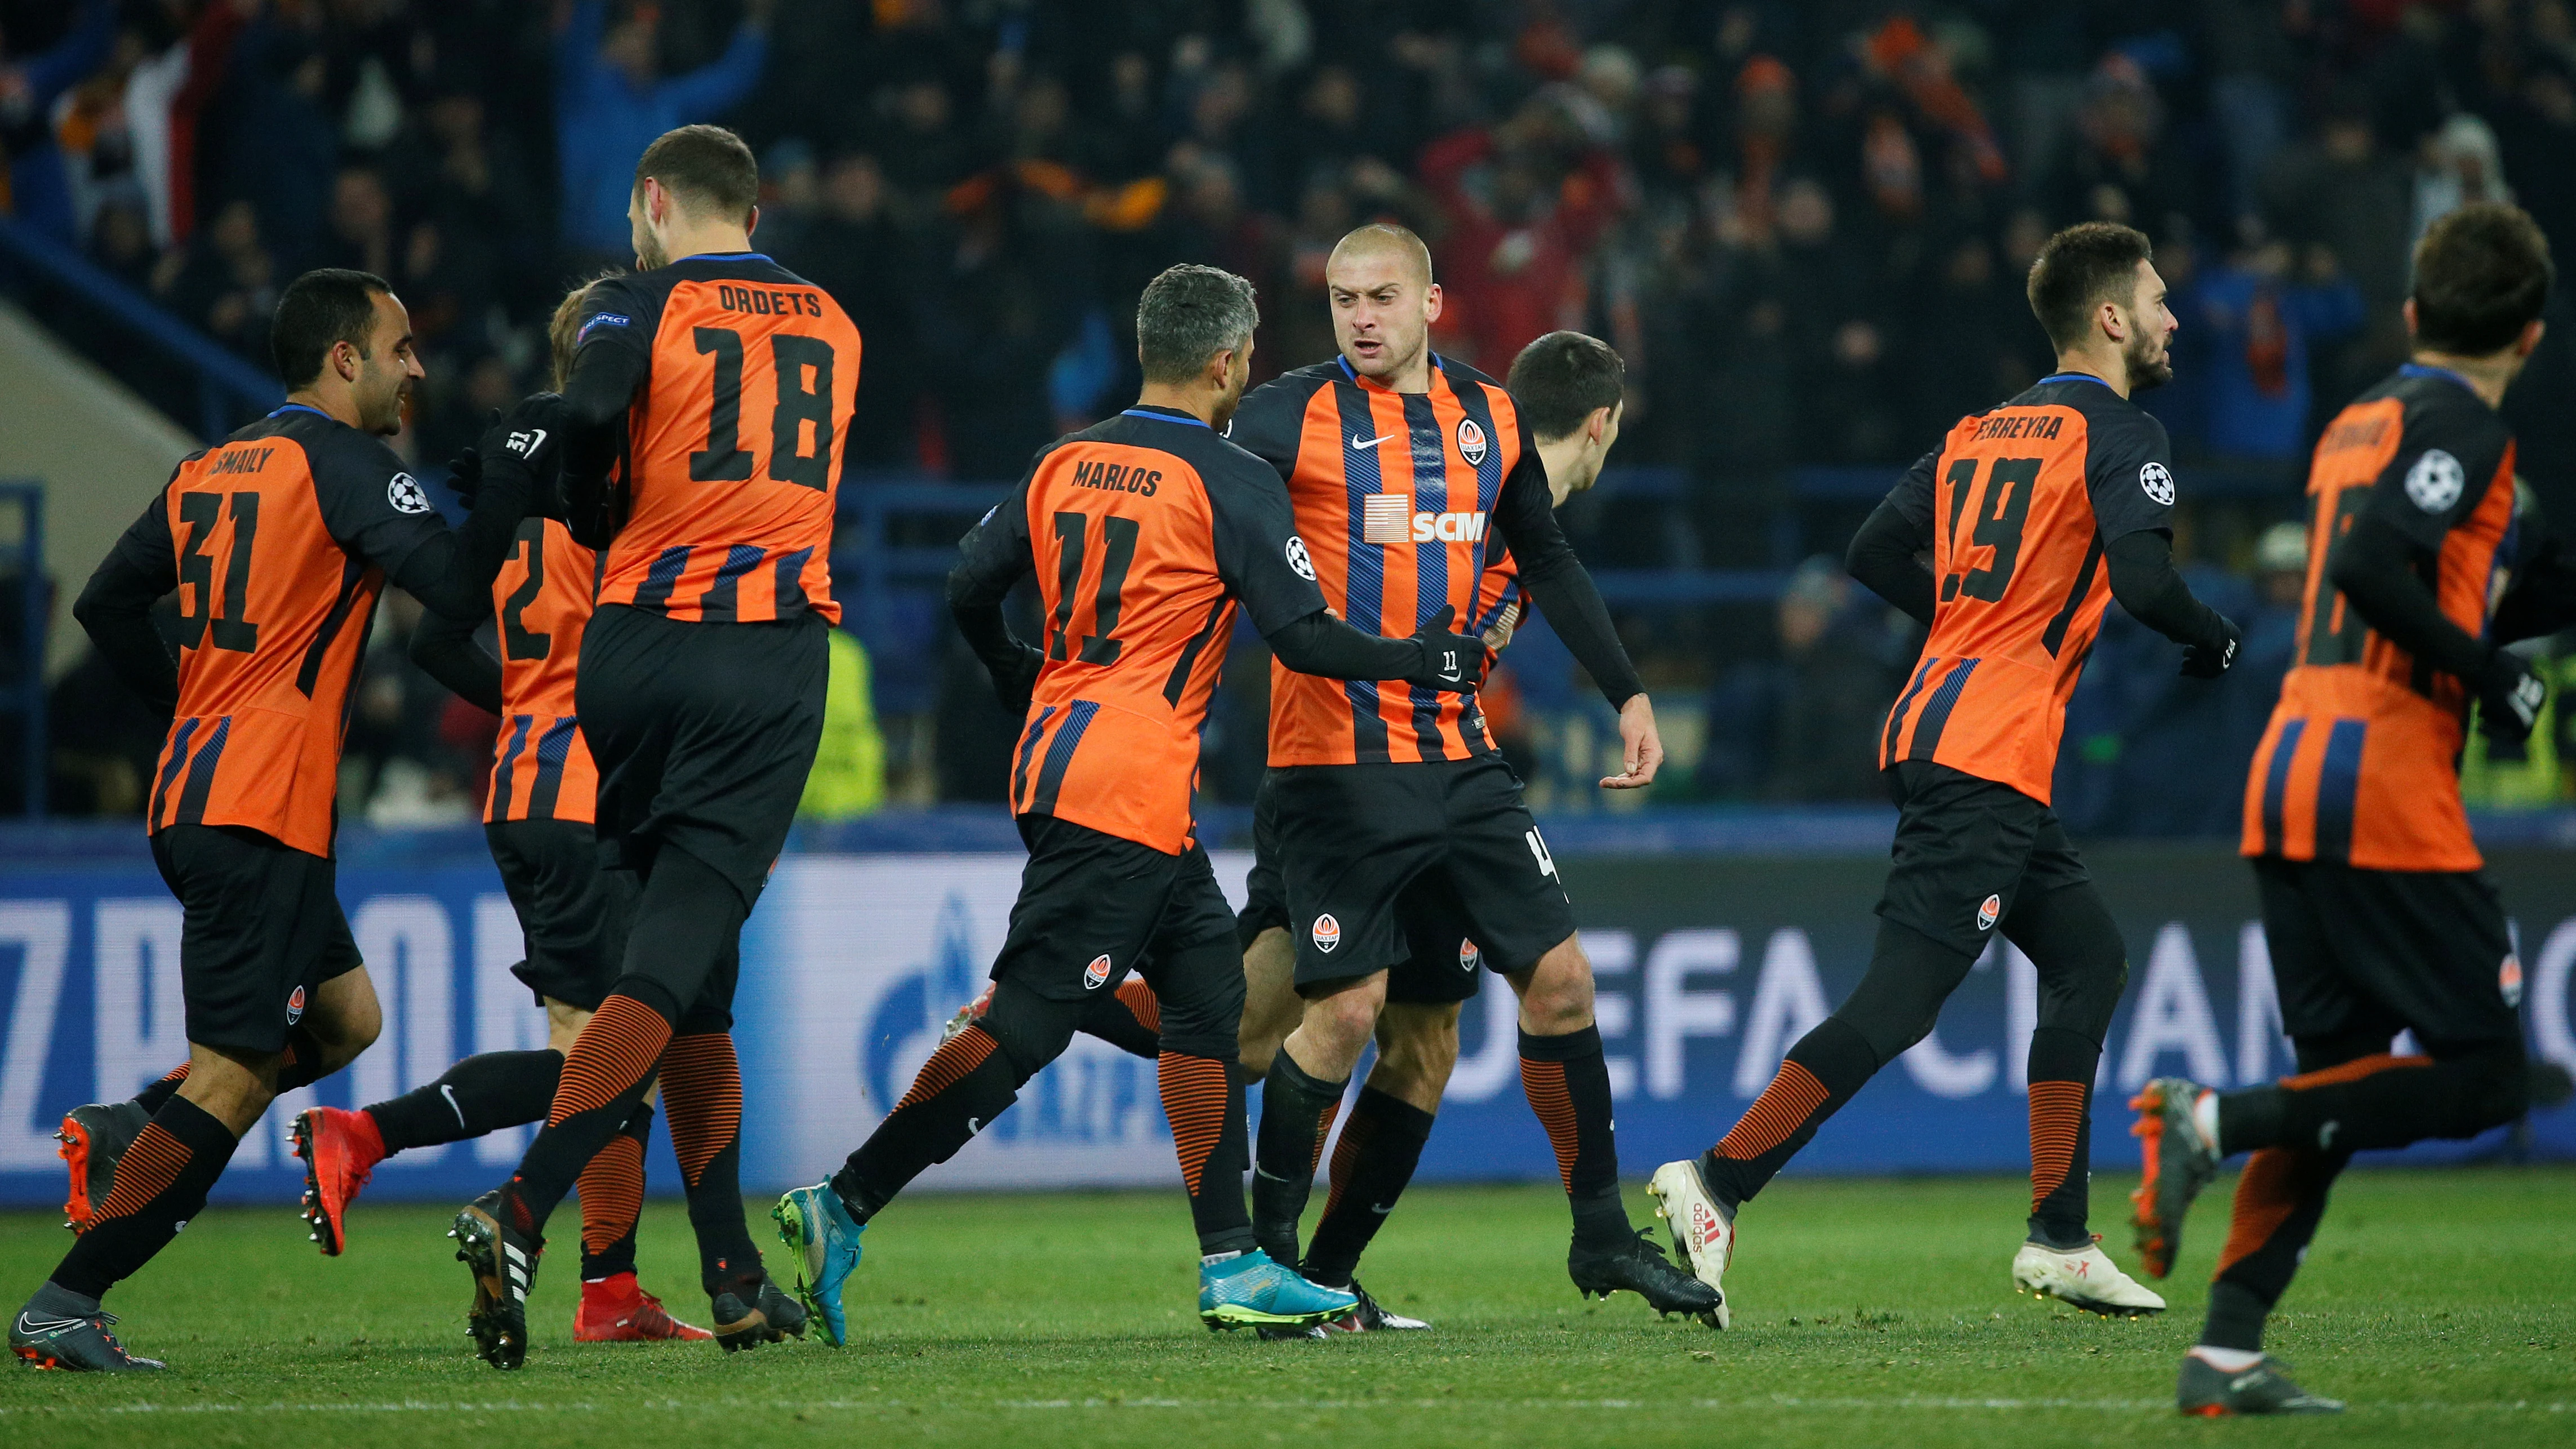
[{"x": 229, "y": 390}]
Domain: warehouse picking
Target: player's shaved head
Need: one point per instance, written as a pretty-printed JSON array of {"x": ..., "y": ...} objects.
[{"x": 1384, "y": 239}]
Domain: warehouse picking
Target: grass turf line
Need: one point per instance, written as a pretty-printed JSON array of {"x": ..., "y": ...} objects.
[{"x": 1867, "y": 1312}]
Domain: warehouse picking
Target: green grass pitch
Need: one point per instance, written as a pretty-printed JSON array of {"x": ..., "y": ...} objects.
[{"x": 2443, "y": 1305}]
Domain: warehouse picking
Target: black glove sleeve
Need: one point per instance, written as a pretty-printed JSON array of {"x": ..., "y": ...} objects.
[
  {"x": 116, "y": 610},
  {"x": 1882, "y": 559},
  {"x": 2144, "y": 581},
  {"x": 1433, "y": 657},
  {"x": 445, "y": 650},
  {"x": 2374, "y": 568},
  {"x": 1557, "y": 581},
  {"x": 594, "y": 409}
]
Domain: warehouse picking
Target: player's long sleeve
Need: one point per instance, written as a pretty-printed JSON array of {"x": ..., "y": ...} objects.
[
  {"x": 116, "y": 610},
  {"x": 445, "y": 650},
  {"x": 2374, "y": 569},
  {"x": 1328, "y": 648},
  {"x": 1882, "y": 558},
  {"x": 1557, "y": 581},
  {"x": 452, "y": 573},
  {"x": 604, "y": 378},
  {"x": 2144, "y": 581},
  {"x": 991, "y": 560}
]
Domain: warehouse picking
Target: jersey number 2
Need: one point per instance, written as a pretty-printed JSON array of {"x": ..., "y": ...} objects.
[
  {"x": 1070, "y": 531},
  {"x": 200, "y": 622},
  {"x": 516, "y": 639},
  {"x": 723, "y": 459},
  {"x": 2000, "y": 515}
]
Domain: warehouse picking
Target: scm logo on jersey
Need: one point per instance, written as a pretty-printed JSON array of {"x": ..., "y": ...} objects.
[
  {"x": 1328, "y": 933},
  {"x": 1096, "y": 973},
  {"x": 1448, "y": 527}
]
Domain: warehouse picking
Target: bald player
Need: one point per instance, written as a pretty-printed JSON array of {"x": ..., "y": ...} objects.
[{"x": 1406, "y": 471}]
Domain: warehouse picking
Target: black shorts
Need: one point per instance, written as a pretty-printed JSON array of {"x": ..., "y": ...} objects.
[
  {"x": 2373, "y": 952},
  {"x": 1384, "y": 862},
  {"x": 704, "y": 734},
  {"x": 262, "y": 931},
  {"x": 1966, "y": 849},
  {"x": 1442, "y": 953},
  {"x": 573, "y": 910},
  {"x": 1091, "y": 904}
]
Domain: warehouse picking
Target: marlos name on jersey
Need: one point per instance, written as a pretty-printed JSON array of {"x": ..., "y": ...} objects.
[{"x": 1117, "y": 478}]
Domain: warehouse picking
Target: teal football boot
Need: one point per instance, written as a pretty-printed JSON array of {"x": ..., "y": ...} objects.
[
  {"x": 1253, "y": 1291},
  {"x": 818, "y": 1229}
]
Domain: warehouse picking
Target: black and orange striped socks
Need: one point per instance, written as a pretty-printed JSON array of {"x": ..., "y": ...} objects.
[
  {"x": 2062, "y": 1063},
  {"x": 2280, "y": 1198},
  {"x": 1567, "y": 1081},
  {"x": 702, "y": 1097},
  {"x": 1130, "y": 1019},
  {"x": 1204, "y": 1104},
  {"x": 160, "y": 1184},
  {"x": 1380, "y": 1146},
  {"x": 967, "y": 1083},
  {"x": 1297, "y": 1110},
  {"x": 612, "y": 1199},
  {"x": 605, "y": 1076},
  {"x": 163, "y": 1090},
  {"x": 1818, "y": 1076}
]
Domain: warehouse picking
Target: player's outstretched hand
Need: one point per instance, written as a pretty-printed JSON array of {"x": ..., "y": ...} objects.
[
  {"x": 1450, "y": 661},
  {"x": 2510, "y": 694},
  {"x": 1641, "y": 749},
  {"x": 529, "y": 436},
  {"x": 2208, "y": 661}
]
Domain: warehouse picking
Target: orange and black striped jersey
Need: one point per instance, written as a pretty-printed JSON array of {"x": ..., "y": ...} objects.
[
  {"x": 1498, "y": 594},
  {"x": 1402, "y": 497},
  {"x": 278, "y": 540},
  {"x": 734, "y": 437},
  {"x": 2360, "y": 761},
  {"x": 541, "y": 765},
  {"x": 2020, "y": 504},
  {"x": 1145, "y": 532}
]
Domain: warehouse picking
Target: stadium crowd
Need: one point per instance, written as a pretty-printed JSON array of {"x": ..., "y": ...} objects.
[{"x": 1804, "y": 225}]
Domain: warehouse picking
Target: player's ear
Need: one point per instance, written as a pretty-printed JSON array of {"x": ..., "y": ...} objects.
[
  {"x": 2530, "y": 338},
  {"x": 1431, "y": 303},
  {"x": 752, "y": 224},
  {"x": 2408, "y": 308}
]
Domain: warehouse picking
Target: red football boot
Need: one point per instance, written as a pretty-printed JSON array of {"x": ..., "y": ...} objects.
[
  {"x": 614, "y": 1310},
  {"x": 340, "y": 1151}
]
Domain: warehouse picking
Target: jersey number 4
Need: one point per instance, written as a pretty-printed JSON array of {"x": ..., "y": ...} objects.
[
  {"x": 1119, "y": 535},
  {"x": 724, "y": 460},
  {"x": 2000, "y": 515},
  {"x": 199, "y": 621}
]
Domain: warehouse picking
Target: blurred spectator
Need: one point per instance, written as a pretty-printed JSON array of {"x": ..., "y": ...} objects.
[
  {"x": 849, "y": 776},
  {"x": 1804, "y": 727},
  {"x": 2458, "y": 164},
  {"x": 2261, "y": 324},
  {"x": 1524, "y": 202},
  {"x": 611, "y": 101},
  {"x": 39, "y": 190},
  {"x": 853, "y": 249},
  {"x": 224, "y": 282}
]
